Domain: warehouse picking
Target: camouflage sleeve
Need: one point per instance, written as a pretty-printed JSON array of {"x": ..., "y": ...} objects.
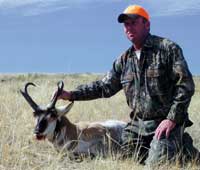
[
  {"x": 184, "y": 86},
  {"x": 104, "y": 88}
]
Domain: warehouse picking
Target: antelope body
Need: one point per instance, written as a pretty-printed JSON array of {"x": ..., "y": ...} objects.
[{"x": 83, "y": 138}]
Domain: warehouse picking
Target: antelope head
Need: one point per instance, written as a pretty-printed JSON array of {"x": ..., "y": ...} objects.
[{"x": 46, "y": 116}]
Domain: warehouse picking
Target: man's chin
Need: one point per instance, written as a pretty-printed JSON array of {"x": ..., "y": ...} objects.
[{"x": 131, "y": 39}]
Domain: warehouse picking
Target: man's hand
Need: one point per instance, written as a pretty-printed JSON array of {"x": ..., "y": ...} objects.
[
  {"x": 164, "y": 127},
  {"x": 65, "y": 95}
]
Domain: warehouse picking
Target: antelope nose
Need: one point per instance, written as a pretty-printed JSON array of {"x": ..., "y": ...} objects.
[
  {"x": 37, "y": 130},
  {"x": 40, "y": 127}
]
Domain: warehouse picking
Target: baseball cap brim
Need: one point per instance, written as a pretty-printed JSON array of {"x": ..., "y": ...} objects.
[{"x": 123, "y": 17}]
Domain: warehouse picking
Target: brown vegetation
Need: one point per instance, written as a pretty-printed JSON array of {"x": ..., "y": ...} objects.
[{"x": 20, "y": 151}]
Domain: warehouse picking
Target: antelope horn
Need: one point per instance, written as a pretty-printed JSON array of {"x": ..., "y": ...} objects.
[
  {"x": 60, "y": 85},
  {"x": 28, "y": 98}
]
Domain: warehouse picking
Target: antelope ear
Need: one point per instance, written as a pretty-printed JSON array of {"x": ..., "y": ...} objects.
[{"x": 62, "y": 110}]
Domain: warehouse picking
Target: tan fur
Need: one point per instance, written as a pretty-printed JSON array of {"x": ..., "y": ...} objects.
[
  {"x": 85, "y": 137},
  {"x": 92, "y": 132}
]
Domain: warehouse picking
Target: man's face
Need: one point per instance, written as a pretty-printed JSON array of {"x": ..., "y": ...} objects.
[{"x": 136, "y": 29}]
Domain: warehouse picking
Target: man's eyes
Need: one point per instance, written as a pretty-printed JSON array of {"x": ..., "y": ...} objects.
[{"x": 132, "y": 23}]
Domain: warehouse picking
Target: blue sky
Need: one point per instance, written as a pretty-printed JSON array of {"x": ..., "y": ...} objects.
[{"x": 78, "y": 36}]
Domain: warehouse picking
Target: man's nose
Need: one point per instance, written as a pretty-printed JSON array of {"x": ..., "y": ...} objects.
[{"x": 129, "y": 28}]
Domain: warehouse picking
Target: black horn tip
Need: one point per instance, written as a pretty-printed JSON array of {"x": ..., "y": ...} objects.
[
  {"x": 27, "y": 96},
  {"x": 60, "y": 84},
  {"x": 27, "y": 84}
]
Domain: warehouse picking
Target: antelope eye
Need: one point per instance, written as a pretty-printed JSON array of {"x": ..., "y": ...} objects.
[
  {"x": 35, "y": 114},
  {"x": 53, "y": 115}
]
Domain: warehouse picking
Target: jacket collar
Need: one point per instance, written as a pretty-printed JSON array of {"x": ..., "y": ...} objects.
[{"x": 149, "y": 42}]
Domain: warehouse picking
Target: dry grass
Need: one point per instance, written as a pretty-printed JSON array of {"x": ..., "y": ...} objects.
[{"x": 20, "y": 151}]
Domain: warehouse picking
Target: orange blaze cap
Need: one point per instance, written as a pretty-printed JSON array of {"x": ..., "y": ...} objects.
[{"x": 132, "y": 12}]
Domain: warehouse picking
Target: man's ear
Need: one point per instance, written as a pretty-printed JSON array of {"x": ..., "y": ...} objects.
[{"x": 147, "y": 25}]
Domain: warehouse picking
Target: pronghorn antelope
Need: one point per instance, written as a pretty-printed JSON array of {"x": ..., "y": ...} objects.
[{"x": 88, "y": 139}]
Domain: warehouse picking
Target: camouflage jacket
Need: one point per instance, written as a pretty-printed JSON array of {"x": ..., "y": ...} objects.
[{"x": 157, "y": 86}]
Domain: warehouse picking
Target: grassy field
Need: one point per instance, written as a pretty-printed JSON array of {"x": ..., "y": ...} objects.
[{"x": 20, "y": 151}]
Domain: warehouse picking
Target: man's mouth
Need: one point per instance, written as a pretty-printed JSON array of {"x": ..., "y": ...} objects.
[{"x": 131, "y": 35}]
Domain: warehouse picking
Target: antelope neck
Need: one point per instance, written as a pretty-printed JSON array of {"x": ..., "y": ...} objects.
[{"x": 71, "y": 129}]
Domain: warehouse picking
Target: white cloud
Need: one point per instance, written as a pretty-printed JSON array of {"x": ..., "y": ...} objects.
[
  {"x": 157, "y": 7},
  {"x": 32, "y": 7},
  {"x": 175, "y": 7},
  {"x": 35, "y": 7},
  {"x": 20, "y": 3}
]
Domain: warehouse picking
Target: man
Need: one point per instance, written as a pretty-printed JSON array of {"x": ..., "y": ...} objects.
[{"x": 158, "y": 88}]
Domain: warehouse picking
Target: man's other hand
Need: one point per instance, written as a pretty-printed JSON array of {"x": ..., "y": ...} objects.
[
  {"x": 165, "y": 128},
  {"x": 65, "y": 95}
]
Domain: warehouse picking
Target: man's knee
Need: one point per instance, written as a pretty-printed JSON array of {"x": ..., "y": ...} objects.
[{"x": 161, "y": 151}]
